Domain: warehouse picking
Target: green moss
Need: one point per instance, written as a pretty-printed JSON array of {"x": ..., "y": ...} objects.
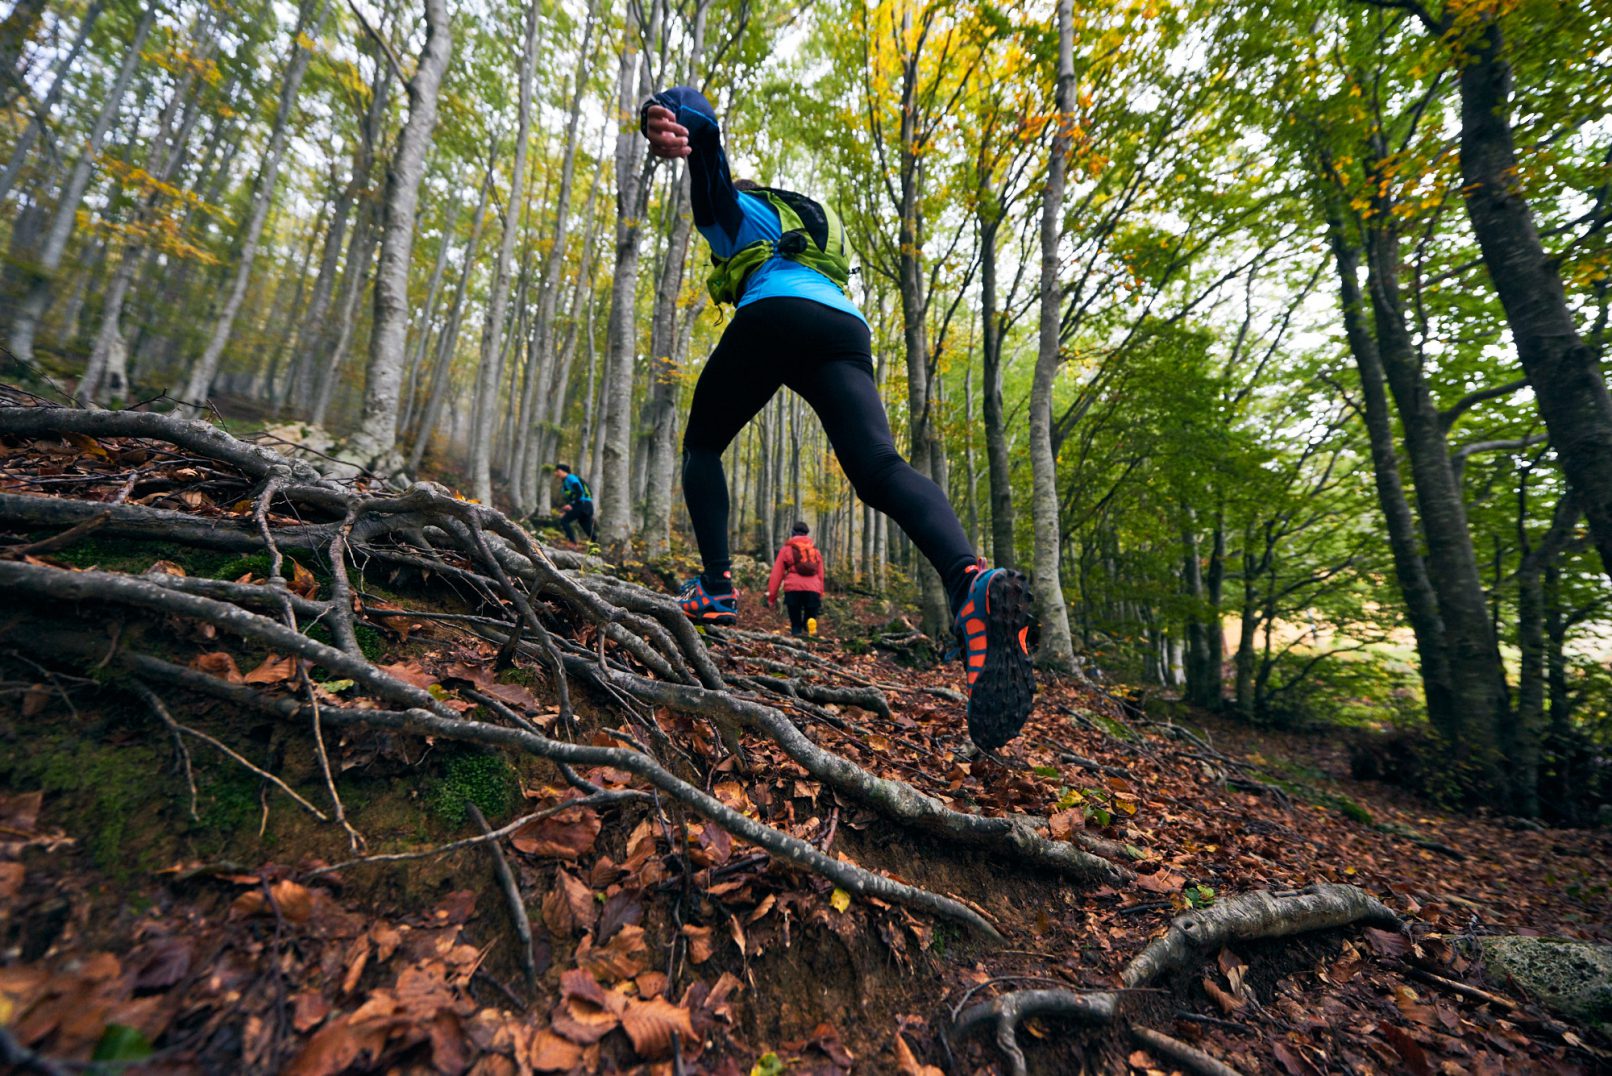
[
  {"x": 370, "y": 642},
  {"x": 114, "y": 788},
  {"x": 227, "y": 799},
  {"x": 468, "y": 776},
  {"x": 137, "y": 554}
]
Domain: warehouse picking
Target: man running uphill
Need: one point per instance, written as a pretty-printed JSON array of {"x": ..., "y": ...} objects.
[
  {"x": 779, "y": 258},
  {"x": 578, "y": 507}
]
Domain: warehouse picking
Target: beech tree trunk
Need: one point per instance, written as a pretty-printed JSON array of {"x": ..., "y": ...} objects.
[
  {"x": 632, "y": 199},
  {"x": 1562, "y": 367},
  {"x": 1481, "y": 709},
  {"x": 1421, "y": 604},
  {"x": 1057, "y": 647},
  {"x": 997, "y": 465},
  {"x": 374, "y": 444}
]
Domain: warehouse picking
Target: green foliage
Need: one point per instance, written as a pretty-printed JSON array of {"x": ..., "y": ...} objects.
[{"x": 469, "y": 776}]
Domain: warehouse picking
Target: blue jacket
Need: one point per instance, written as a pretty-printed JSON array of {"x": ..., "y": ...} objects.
[
  {"x": 731, "y": 219},
  {"x": 575, "y": 490}
]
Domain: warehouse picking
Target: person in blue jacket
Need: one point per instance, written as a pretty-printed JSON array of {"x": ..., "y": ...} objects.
[
  {"x": 578, "y": 507},
  {"x": 794, "y": 326}
]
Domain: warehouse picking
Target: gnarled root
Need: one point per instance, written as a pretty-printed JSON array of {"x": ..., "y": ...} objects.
[{"x": 1246, "y": 917}]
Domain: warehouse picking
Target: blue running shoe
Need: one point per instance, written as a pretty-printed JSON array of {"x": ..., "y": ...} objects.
[
  {"x": 993, "y": 633},
  {"x": 703, "y": 607}
]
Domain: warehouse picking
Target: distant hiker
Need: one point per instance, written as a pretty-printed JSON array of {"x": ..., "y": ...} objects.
[
  {"x": 799, "y": 571},
  {"x": 578, "y": 507},
  {"x": 779, "y": 258}
]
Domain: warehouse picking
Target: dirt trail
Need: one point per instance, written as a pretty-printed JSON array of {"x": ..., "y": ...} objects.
[{"x": 740, "y": 853}]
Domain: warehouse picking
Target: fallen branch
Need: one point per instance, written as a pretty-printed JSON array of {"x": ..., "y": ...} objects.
[{"x": 512, "y": 896}]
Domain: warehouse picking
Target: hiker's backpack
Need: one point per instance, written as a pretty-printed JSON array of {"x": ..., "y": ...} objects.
[
  {"x": 812, "y": 236},
  {"x": 808, "y": 561}
]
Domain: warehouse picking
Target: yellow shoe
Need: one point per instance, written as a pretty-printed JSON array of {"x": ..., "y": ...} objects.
[{"x": 811, "y": 625}]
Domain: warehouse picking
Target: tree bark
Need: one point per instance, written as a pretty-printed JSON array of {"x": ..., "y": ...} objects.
[
  {"x": 1481, "y": 709},
  {"x": 375, "y": 442},
  {"x": 1057, "y": 648},
  {"x": 632, "y": 191},
  {"x": 997, "y": 464},
  {"x": 1562, "y": 367}
]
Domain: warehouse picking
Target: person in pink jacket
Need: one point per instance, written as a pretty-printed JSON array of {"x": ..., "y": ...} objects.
[{"x": 799, "y": 571}]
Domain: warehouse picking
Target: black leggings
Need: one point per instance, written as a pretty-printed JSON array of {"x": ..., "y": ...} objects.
[
  {"x": 825, "y": 356},
  {"x": 801, "y": 604}
]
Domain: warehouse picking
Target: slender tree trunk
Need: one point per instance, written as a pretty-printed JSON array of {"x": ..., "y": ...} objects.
[
  {"x": 615, "y": 476},
  {"x": 42, "y": 272},
  {"x": 310, "y": 16},
  {"x": 1057, "y": 648},
  {"x": 491, "y": 370},
  {"x": 374, "y": 444},
  {"x": 1421, "y": 603},
  {"x": 1481, "y": 704},
  {"x": 1562, "y": 368}
]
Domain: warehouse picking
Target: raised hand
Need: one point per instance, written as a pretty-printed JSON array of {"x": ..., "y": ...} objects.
[{"x": 667, "y": 137}]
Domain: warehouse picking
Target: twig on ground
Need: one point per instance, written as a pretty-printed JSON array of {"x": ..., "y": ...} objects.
[
  {"x": 512, "y": 894},
  {"x": 1174, "y": 1050}
]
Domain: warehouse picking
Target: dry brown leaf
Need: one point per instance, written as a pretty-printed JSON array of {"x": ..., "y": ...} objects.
[
  {"x": 410, "y": 673},
  {"x": 219, "y": 664},
  {"x": 34, "y": 700},
  {"x": 386, "y": 938},
  {"x": 566, "y": 835},
  {"x": 910, "y": 1066},
  {"x": 700, "y": 945},
  {"x": 1063, "y": 824},
  {"x": 11, "y": 876},
  {"x": 650, "y": 983},
  {"x": 625, "y": 957},
  {"x": 294, "y": 901},
  {"x": 1163, "y": 881},
  {"x": 302, "y": 581},
  {"x": 548, "y": 1052},
  {"x": 651, "y": 1024},
  {"x": 274, "y": 670},
  {"x": 166, "y": 567},
  {"x": 1228, "y": 1003},
  {"x": 309, "y": 1011}
]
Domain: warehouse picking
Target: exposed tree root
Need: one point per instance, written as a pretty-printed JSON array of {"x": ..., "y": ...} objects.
[
  {"x": 1188, "y": 1057},
  {"x": 1247, "y": 917}
]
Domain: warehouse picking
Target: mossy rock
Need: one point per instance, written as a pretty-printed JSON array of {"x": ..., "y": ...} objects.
[{"x": 1572, "y": 979}]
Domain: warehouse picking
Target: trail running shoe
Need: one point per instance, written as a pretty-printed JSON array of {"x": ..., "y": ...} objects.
[
  {"x": 703, "y": 607},
  {"x": 992, "y": 629},
  {"x": 811, "y": 625}
]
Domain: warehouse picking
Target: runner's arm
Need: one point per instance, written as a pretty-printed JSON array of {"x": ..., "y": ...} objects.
[{"x": 715, "y": 201}]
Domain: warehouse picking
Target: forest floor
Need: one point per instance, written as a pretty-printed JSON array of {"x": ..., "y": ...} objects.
[{"x": 168, "y": 831}]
